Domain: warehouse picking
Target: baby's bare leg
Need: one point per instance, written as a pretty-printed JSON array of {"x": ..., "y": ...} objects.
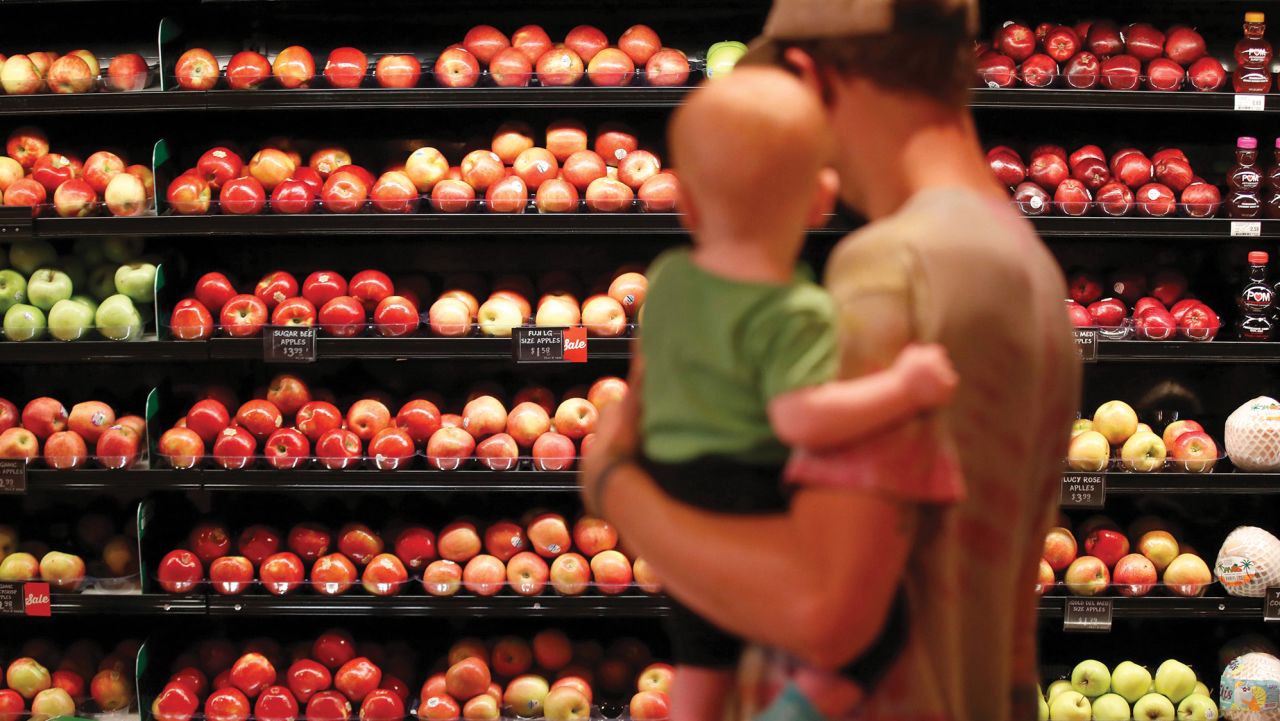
[{"x": 698, "y": 694}]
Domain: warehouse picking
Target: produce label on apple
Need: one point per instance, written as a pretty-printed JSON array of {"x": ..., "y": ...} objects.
[
  {"x": 289, "y": 345},
  {"x": 1246, "y": 229},
  {"x": 1086, "y": 344},
  {"x": 1271, "y": 605},
  {"x": 13, "y": 475},
  {"x": 1251, "y": 102},
  {"x": 15, "y": 223},
  {"x": 1083, "y": 490},
  {"x": 1087, "y": 615}
]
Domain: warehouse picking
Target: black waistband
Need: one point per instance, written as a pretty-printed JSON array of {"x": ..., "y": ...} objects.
[{"x": 714, "y": 483}]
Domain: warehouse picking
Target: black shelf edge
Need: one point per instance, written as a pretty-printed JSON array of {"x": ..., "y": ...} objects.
[
  {"x": 1184, "y": 101},
  {"x": 363, "y": 224},
  {"x": 1165, "y": 607},
  {"x": 100, "y": 351},
  {"x": 136, "y": 604},
  {"x": 101, "y": 479},
  {"x": 469, "y": 348},
  {"x": 1220, "y": 483},
  {"x": 633, "y": 97},
  {"x": 631, "y": 605},
  {"x": 1133, "y": 227},
  {"x": 1216, "y": 351},
  {"x": 375, "y": 481}
]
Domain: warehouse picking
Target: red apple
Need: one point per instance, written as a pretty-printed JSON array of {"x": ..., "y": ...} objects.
[
  {"x": 457, "y": 68},
  {"x": 531, "y": 40},
  {"x": 559, "y": 66},
  {"x": 294, "y": 67},
  {"x": 197, "y": 69},
  {"x": 345, "y": 68},
  {"x": 397, "y": 71},
  {"x": 247, "y": 70}
]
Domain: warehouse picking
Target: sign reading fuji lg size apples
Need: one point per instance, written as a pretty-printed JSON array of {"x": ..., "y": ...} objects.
[
  {"x": 1086, "y": 344},
  {"x": 1081, "y": 490},
  {"x": 1271, "y": 605},
  {"x": 549, "y": 345},
  {"x": 1087, "y": 614},
  {"x": 289, "y": 345},
  {"x": 13, "y": 475}
]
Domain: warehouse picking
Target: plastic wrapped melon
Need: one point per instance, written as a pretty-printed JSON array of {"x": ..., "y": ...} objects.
[
  {"x": 1249, "y": 562},
  {"x": 1250, "y": 688},
  {"x": 1253, "y": 436}
]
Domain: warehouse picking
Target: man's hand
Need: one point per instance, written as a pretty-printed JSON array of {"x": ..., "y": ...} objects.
[{"x": 617, "y": 436}]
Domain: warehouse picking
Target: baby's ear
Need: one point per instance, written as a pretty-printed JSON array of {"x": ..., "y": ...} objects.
[
  {"x": 824, "y": 200},
  {"x": 688, "y": 211}
]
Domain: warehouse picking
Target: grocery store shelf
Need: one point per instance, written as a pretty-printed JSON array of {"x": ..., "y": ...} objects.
[
  {"x": 1220, "y": 483},
  {"x": 363, "y": 224},
  {"x": 1218, "y": 351},
  {"x": 471, "y": 348},
  {"x": 467, "y": 606},
  {"x": 100, "y": 351},
  {"x": 1187, "y": 101},
  {"x": 374, "y": 481},
  {"x": 1133, "y": 227},
  {"x": 1168, "y": 607},
  {"x": 99, "y": 479},
  {"x": 105, "y": 604}
]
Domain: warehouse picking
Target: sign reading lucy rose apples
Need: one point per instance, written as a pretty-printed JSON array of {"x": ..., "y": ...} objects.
[
  {"x": 289, "y": 345},
  {"x": 549, "y": 345},
  {"x": 25, "y": 599},
  {"x": 13, "y": 475},
  {"x": 1087, "y": 614},
  {"x": 1083, "y": 490}
]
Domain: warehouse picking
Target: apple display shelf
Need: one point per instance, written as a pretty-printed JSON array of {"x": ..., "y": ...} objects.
[{"x": 1208, "y": 379}]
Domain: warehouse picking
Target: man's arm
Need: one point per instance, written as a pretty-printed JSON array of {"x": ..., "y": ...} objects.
[{"x": 817, "y": 582}]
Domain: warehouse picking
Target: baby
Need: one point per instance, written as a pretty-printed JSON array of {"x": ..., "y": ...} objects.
[{"x": 740, "y": 350}]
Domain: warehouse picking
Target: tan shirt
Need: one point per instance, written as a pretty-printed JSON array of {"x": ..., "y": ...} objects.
[{"x": 956, "y": 268}]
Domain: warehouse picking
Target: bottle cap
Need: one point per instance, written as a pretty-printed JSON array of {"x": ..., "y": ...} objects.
[
  {"x": 1258, "y": 257},
  {"x": 1247, "y": 143},
  {"x": 1255, "y": 17}
]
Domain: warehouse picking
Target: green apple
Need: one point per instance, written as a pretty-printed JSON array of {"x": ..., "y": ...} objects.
[
  {"x": 1111, "y": 707},
  {"x": 117, "y": 319},
  {"x": 48, "y": 286},
  {"x": 1044, "y": 709},
  {"x": 1201, "y": 689},
  {"x": 90, "y": 251},
  {"x": 137, "y": 280},
  {"x": 1197, "y": 707},
  {"x": 1175, "y": 680},
  {"x": 23, "y": 322},
  {"x": 1091, "y": 678},
  {"x": 723, "y": 56},
  {"x": 121, "y": 250},
  {"x": 1058, "y": 687},
  {"x": 102, "y": 281},
  {"x": 69, "y": 320},
  {"x": 1131, "y": 681},
  {"x": 1070, "y": 706},
  {"x": 1154, "y": 707},
  {"x": 13, "y": 289},
  {"x": 28, "y": 255},
  {"x": 74, "y": 268}
]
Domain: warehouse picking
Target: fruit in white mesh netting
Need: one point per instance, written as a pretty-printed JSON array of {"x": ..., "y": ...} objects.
[
  {"x": 1249, "y": 562},
  {"x": 1253, "y": 435}
]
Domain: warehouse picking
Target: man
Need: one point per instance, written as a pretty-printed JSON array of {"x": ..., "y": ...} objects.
[{"x": 949, "y": 510}]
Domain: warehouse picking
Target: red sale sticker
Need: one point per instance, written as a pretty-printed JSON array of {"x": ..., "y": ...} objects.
[
  {"x": 36, "y": 598},
  {"x": 575, "y": 345}
]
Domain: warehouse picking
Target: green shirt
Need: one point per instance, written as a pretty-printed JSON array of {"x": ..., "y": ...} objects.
[{"x": 717, "y": 350}]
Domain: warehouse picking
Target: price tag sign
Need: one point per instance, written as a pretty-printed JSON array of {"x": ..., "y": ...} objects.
[
  {"x": 1091, "y": 615},
  {"x": 549, "y": 345},
  {"x": 1086, "y": 344},
  {"x": 289, "y": 345},
  {"x": 1083, "y": 490},
  {"x": 1251, "y": 102},
  {"x": 15, "y": 223},
  {"x": 1246, "y": 229},
  {"x": 25, "y": 599},
  {"x": 1271, "y": 605},
  {"x": 13, "y": 475}
]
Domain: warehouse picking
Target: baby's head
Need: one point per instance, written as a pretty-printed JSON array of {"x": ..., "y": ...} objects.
[{"x": 749, "y": 148}]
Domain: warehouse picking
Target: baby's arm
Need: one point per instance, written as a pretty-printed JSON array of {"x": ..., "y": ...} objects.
[{"x": 835, "y": 414}]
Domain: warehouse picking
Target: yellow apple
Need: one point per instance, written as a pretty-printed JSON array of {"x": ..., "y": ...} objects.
[
  {"x": 1089, "y": 452},
  {"x": 1144, "y": 452},
  {"x": 1080, "y": 426},
  {"x": 1187, "y": 575},
  {"x": 1116, "y": 420}
]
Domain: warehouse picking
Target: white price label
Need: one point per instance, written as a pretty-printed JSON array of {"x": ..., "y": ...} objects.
[
  {"x": 1251, "y": 102},
  {"x": 1246, "y": 229}
]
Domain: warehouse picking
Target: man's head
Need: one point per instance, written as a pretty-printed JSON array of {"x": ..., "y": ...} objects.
[
  {"x": 880, "y": 67},
  {"x": 749, "y": 149}
]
